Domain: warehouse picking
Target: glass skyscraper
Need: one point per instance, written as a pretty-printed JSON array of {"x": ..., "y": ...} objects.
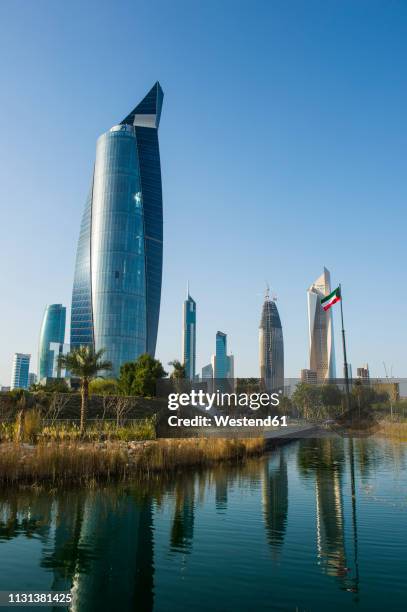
[
  {"x": 221, "y": 359},
  {"x": 52, "y": 331},
  {"x": 271, "y": 346},
  {"x": 117, "y": 285},
  {"x": 189, "y": 336},
  {"x": 21, "y": 368}
]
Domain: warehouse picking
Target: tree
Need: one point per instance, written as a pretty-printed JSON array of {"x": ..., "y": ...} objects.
[
  {"x": 140, "y": 377},
  {"x": 307, "y": 398},
  {"x": 178, "y": 375},
  {"x": 103, "y": 386},
  {"x": 58, "y": 385},
  {"x": 85, "y": 363}
]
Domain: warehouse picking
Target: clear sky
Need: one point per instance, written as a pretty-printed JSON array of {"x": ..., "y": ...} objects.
[{"x": 283, "y": 148}]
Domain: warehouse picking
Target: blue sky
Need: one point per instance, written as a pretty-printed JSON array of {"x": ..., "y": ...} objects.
[{"x": 283, "y": 148}]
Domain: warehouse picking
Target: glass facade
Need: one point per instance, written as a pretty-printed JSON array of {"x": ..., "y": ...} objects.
[
  {"x": 117, "y": 287},
  {"x": 221, "y": 359},
  {"x": 52, "y": 330},
  {"x": 271, "y": 347},
  {"x": 20, "y": 372},
  {"x": 189, "y": 337}
]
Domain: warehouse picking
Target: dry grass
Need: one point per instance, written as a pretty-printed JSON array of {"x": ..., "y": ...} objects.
[
  {"x": 86, "y": 463},
  {"x": 396, "y": 430}
]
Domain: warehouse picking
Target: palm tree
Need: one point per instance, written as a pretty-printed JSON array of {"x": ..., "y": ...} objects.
[
  {"x": 178, "y": 373},
  {"x": 85, "y": 363},
  {"x": 179, "y": 369}
]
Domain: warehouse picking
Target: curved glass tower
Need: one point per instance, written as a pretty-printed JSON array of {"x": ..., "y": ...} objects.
[
  {"x": 271, "y": 346},
  {"x": 117, "y": 286},
  {"x": 52, "y": 330}
]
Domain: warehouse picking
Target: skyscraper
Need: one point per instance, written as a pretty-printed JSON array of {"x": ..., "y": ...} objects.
[
  {"x": 52, "y": 331},
  {"x": 271, "y": 346},
  {"x": 117, "y": 285},
  {"x": 189, "y": 336},
  {"x": 21, "y": 368},
  {"x": 320, "y": 327},
  {"x": 221, "y": 359}
]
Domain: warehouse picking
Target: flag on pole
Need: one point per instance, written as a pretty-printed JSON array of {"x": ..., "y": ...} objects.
[{"x": 331, "y": 299}]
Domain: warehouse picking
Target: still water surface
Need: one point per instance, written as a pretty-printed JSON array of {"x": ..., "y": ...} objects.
[{"x": 282, "y": 532}]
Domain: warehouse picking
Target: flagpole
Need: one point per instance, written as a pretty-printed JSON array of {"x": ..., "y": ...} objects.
[{"x": 345, "y": 363}]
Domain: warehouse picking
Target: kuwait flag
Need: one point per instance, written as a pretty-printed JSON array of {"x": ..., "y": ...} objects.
[{"x": 331, "y": 299}]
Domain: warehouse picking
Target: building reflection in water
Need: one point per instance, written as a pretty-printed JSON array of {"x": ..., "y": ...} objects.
[
  {"x": 326, "y": 459},
  {"x": 275, "y": 499},
  {"x": 182, "y": 530}
]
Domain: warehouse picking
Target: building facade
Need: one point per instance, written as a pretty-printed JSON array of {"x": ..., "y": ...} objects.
[
  {"x": 309, "y": 377},
  {"x": 363, "y": 373},
  {"x": 20, "y": 371},
  {"x": 189, "y": 337},
  {"x": 271, "y": 346},
  {"x": 32, "y": 379},
  {"x": 52, "y": 331},
  {"x": 117, "y": 285},
  {"x": 221, "y": 365},
  {"x": 320, "y": 330}
]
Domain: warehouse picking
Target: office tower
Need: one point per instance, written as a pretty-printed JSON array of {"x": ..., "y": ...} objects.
[
  {"x": 57, "y": 349},
  {"x": 309, "y": 377},
  {"x": 207, "y": 372},
  {"x": 117, "y": 285},
  {"x": 20, "y": 371},
  {"x": 52, "y": 331},
  {"x": 189, "y": 336},
  {"x": 320, "y": 327},
  {"x": 271, "y": 346},
  {"x": 221, "y": 359},
  {"x": 231, "y": 366},
  {"x": 32, "y": 379},
  {"x": 363, "y": 373}
]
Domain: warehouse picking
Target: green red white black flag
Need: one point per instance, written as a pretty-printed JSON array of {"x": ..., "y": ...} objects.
[{"x": 331, "y": 299}]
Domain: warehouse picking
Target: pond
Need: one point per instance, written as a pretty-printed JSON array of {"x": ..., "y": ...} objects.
[{"x": 316, "y": 524}]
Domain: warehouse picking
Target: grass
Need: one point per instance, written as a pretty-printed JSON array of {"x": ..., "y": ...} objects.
[
  {"x": 34, "y": 430},
  {"x": 394, "y": 429},
  {"x": 59, "y": 463}
]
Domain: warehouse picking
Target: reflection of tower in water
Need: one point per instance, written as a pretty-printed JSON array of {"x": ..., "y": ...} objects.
[
  {"x": 104, "y": 549},
  {"x": 330, "y": 522},
  {"x": 182, "y": 530},
  {"x": 275, "y": 499},
  {"x": 331, "y": 543}
]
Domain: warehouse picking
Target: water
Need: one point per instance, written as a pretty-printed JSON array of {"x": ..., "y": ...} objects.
[{"x": 282, "y": 532}]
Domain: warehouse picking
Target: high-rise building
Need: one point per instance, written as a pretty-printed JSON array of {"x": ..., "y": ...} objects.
[
  {"x": 32, "y": 379},
  {"x": 231, "y": 366},
  {"x": 320, "y": 328},
  {"x": 363, "y": 373},
  {"x": 52, "y": 330},
  {"x": 189, "y": 336},
  {"x": 221, "y": 358},
  {"x": 271, "y": 346},
  {"x": 20, "y": 371},
  {"x": 207, "y": 372},
  {"x": 117, "y": 285},
  {"x": 57, "y": 349},
  {"x": 309, "y": 377}
]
